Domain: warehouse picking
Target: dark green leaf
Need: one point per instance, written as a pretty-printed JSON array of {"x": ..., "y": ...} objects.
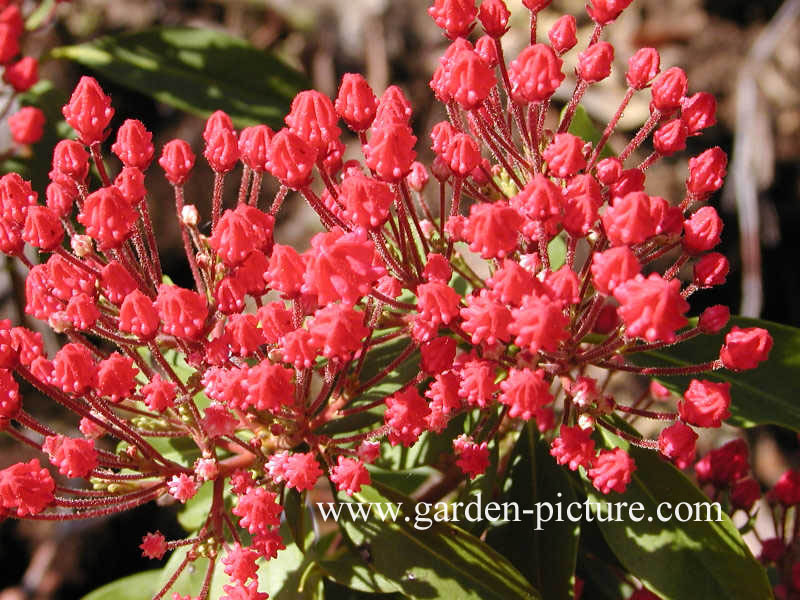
[
  {"x": 695, "y": 559},
  {"x": 442, "y": 561},
  {"x": 196, "y": 70},
  {"x": 762, "y": 396},
  {"x": 141, "y": 586},
  {"x": 546, "y": 556}
]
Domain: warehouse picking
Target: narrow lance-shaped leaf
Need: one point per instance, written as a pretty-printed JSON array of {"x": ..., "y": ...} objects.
[
  {"x": 703, "y": 557},
  {"x": 763, "y": 396},
  {"x": 196, "y": 70}
]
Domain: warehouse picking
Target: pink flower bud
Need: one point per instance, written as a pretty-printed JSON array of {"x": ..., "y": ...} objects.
[
  {"x": 677, "y": 443},
  {"x": 42, "y": 228},
  {"x": 254, "y": 146},
  {"x": 455, "y": 17},
  {"x": 109, "y": 218},
  {"x": 563, "y": 34},
  {"x": 707, "y": 171},
  {"x": 745, "y": 493},
  {"x": 711, "y": 270},
  {"x": 614, "y": 267},
  {"x": 535, "y": 74},
  {"x": 612, "y": 470},
  {"x": 313, "y": 119},
  {"x": 222, "y": 150},
  {"x": 643, "y": 66},
  {"x": 701, "y": 232},
  {"x": 70, "y": 161},
  {"x": 668, "y": 89},
  {"x": 23, "y": 74},
  {"x": 698, "y": 112},
  {"x": 470, "y": 79},
  {"x": 670, "y": 137},
  {"x": 594, "y": 63},
  {"x": 9, "y": 43},
  {"x": 604, "y": 12},
  {"x": 705, "y": 403},
  {"x": 349, "y": 475},
  {"x": 494, "y": 16},
  {"x": 472, "y": 457},
  {"x": 745, "y": 348},
  {"x": 652, "y": 308},
  {"x": 390, "y": 151},
  {"x": 564, "y": 155},
  {"x": 291, "y": 160},
  {"x": 27, "y": 125},
  {"x": 134, "y": 145},
  {"x": 89, "y": 111},
  {"x": 177, "y": 160},
  {"x": 714, "y": 319},
  {"x": 609, "y": 170}
]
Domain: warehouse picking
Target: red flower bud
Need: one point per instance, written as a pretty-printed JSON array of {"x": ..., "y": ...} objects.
[
  {"x": 535, "y": 74},
  {"x": 23, "y": 74},
  {"x": 462, "y": 154},
  {"x": 116, "y": 377},
  {"x": 254, "y": 146},
  {"x": 486, "y": 49},
  {"x": 564, "y": 155},
  {"x": 609, "y": 170},
  {"x": 630, "y": 180},
  {"x": 183, "y": 312},
  {"x": 134, "y": 145},
  {"x": 745, "y": 348},
  {"x": 494, "y": 15},
  {"x": 707, "y": 171},
  {"x": 313, "y": 119},
  {"x": 699, "y": 112},
  {"x": 70, "y": 162},
  {"x": 11, "y": 242},
  {"x": 12, "y": 17},
  {"x": 677, "y": 443},
  {"x": 82, "y": 311},
  {"x": 668, "y": 89},
  {"x": 222, "y": 150},
  {"x": 356, "y": 103},
  {"x": 705, "y": 403},
  {"x": 130, "y": 183},
  {"x": 594, "y": 63},
  {"x": 42, "y": 228},
  {"x": 470, "y": 79},
  {"x": 74, "y": 369},
  {"x": 702, "y": 230},
  {"x": 177, "y": 160},
  {"x": 116, "y": 282},
  {"x": 89, "y": 111},
  {"x": 366, "y": 201},
  {"x": 394, "y": 107},
  {"x": 390, "y": 151},
  {"x": 713, "y": 319},
  {"x": 670, "y": 137},
  {"x": 16, "y": 196},
  {"x": 643, "y": 66},
  {"x": 536, "y": 5},
  {"x": 563, "y": 35},
  {"x": 27, "y": 125},
  {"x": 291, "y": 159},
  {"x": 109, "y": 218},
  {"x": 138, "y": 316},
  {"x": 456, "y": 17},
  {"x": 604, "y": 12},
  {"x": 745, "y": 493},
  {"x": 9, "y": 43},
  {"x": 614, "y": 267},
  {"x": 219, "y": 119}
]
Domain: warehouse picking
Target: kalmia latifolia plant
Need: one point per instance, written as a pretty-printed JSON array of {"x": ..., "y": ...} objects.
[{"x": 432, "y": 303}]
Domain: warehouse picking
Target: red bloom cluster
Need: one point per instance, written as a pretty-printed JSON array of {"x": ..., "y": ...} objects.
[{"x": 408, "y": 312}]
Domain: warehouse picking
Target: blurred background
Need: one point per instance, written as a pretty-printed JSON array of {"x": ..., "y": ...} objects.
[{"x": 746, "y": 53}]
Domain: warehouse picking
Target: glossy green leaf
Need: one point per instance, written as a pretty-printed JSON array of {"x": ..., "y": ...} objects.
[
  {"x": 442, "y": 561},
  {"x": 196, "y": 70},
  {"x": 695, "y": 559},
  {"x": 141, "y": 586},
  {"x": 583, "y": 126},
  {"x": 762, "y": 396},
  {"x": 192, "y": 516},
  {"x": 546, "y": 556}
]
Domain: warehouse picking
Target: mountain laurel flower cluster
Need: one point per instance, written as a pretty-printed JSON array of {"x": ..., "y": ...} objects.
[{"x": 433, "y": 292}]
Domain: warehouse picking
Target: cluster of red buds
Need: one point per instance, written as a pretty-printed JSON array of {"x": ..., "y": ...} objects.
[
  {"x": 726, "y": 473},
  {"x": 20, "y": 73},
  {"x": 257, "y": 364}
]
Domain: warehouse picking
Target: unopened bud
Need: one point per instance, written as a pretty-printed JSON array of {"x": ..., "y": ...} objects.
[
  {"x": 189, "y": 216},
  {"x": 586, "y": 421},
  {"x": 81, "y": 245}
]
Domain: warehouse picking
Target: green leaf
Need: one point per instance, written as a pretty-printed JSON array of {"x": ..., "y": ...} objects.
[
  {"x": 546, "y": 556},
  {"x": 440, "y": 562},
  {"x": 695, "y": 559},
  {"x": 583, "y": 126},
  {"x": 196, "y": 70},
  {"x": 762, "y": 396},
  {"x": 141, "y": 586},
  {"x": 192, "y": 516},
  {"x": 557, "y": 252}
]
